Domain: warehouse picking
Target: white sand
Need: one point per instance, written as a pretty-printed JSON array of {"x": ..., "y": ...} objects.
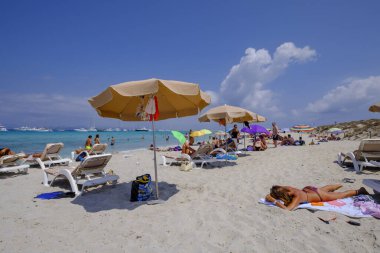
[{"x": 208, "y": 210}]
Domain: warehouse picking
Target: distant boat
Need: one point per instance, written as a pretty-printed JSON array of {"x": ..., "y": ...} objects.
[
  {"x": 81, "y": 129},
  {"x": 92, "y": 129},
  {"x": 143, "y": 129},
  {"x": 3, "y": 128},
  {"x": 33, "y": 129}
]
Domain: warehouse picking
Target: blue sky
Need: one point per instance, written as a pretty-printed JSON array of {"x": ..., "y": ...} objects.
[{"x": 312, "y": 62}]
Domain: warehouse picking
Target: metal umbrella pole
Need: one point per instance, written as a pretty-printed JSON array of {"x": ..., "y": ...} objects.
[{"x": 155, "y": 160}]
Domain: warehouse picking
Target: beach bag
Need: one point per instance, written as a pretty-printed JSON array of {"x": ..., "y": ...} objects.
[
  {"x": 141, "y": 188},
  {"x": 186, "y": 166},
  {"x": 81, "y": 156}
]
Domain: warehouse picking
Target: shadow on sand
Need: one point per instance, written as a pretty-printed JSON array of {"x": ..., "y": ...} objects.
[
  {"x": 349, "y": 167},
  {"x": 117, "y": 197}
]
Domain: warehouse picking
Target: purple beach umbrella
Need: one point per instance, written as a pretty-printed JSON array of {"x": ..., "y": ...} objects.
[{"x": 257, "y": 129}]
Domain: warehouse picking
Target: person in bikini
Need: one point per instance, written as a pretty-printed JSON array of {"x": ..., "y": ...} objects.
[
  {"x": 292, "y": 197},
  {"x": 87, "y": 145},
  {"x": 6, "y": 151}
]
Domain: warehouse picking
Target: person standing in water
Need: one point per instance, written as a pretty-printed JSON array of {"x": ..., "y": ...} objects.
[{"x": 113, "y": 141}]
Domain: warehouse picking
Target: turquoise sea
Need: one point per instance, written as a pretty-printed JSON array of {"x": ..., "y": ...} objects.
[{"x": 30, "y": 142}]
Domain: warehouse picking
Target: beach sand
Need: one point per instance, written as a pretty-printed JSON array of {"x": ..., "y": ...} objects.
[{"x": 205, "y": 210}]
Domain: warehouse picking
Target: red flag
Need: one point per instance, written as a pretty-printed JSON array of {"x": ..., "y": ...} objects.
[{"x": 157, "y": 113}]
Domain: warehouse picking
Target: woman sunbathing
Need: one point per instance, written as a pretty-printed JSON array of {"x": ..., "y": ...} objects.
[
  {"x": 292, "y": 197},
  {"x": 6, "y": 151}
]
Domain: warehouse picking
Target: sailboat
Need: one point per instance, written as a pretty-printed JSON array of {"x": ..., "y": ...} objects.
[{"x": 3, "y": 128}]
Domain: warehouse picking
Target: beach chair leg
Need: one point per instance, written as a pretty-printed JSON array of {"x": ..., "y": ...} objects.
[{"x": 164, "y": 161}]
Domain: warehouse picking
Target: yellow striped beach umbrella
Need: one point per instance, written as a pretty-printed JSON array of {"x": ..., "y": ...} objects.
[{"x": 152, "y": 99}]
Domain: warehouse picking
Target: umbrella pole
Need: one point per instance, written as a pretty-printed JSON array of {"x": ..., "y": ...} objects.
[{"x": 155, "y": 160}]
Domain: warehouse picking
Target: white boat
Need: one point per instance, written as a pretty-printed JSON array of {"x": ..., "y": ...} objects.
[
  {"x": 92, "y": 129},
  {"x": 3, "y": 128},
  {"x": 33, "y": 129},
  {"x": 43, "y": 129},
  {"x": 81, "y": 129},
  {"x": 143, "y": 129}
]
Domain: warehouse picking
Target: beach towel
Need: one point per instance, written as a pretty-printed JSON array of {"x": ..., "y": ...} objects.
[
  {"x": 344, "y": 206},
  {"x": 55, "y": 195},
  {"x": 226, "y": 157}
]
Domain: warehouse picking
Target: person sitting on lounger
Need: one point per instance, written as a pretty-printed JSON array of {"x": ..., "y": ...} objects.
[
  {"x": 215, "y": 143},
  {"x": 186, "y": 149},
  {"x": 87, "y": 145},
  {"x": 292, "y": 197}
]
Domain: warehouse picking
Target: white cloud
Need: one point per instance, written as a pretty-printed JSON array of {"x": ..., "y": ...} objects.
[
  {"x": 348, "y": 97},
  {"x": 245, "y": 84},
  {"x": 214, "y": 96}
]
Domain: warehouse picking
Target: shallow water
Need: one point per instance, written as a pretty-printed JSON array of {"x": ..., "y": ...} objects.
[{"x": 30, "y": 142}]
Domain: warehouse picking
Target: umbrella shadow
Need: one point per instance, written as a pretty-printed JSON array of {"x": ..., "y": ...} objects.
[{"x": 118, "y": 197}]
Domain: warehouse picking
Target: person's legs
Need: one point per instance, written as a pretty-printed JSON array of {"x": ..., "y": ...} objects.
[
  {"x": 331, "y": 188},
  {"x": 329, "y": 196}
]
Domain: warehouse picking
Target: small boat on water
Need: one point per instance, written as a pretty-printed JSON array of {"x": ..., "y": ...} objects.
[
  {"x": 143, "y": 129},
  {"x": 81, "y": 129},
  {"x": 33, "y": 129},
  {"x": 3, "y": 128},
  {"x": 92, "y": 129}
]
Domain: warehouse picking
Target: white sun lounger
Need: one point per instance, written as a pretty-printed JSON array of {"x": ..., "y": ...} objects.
[
  {"x": 10, "y": 163},
  {"x": 88, "y": 173},
  {"x": 202, "y": 156},
  {"x": 50, "y": 156},
  {"x": 97, "y": 149},
  {"x": 366, "y": 156}
]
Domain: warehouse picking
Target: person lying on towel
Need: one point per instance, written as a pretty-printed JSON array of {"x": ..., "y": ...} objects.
[{"x": 292, "y": 197}]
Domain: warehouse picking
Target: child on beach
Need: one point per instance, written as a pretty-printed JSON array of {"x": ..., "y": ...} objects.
[{"x": 292, "y": 197}]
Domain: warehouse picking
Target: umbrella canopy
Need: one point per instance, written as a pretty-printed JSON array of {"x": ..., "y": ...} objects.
[
  {"x": 257, "y": 129},
  {"x": 153, "y": 99},
  {"x": 374, "y": 108},
  {"x": 220, "y": 133},
  {"x": 335, "y": 130},
  {"x": 200, "y": 133},
  {"x": 230, "y": 114},
  {"x": 175, "y": 99},
  {"x": 179, "y": 136},
  {"x": 302, "y": 128}
]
